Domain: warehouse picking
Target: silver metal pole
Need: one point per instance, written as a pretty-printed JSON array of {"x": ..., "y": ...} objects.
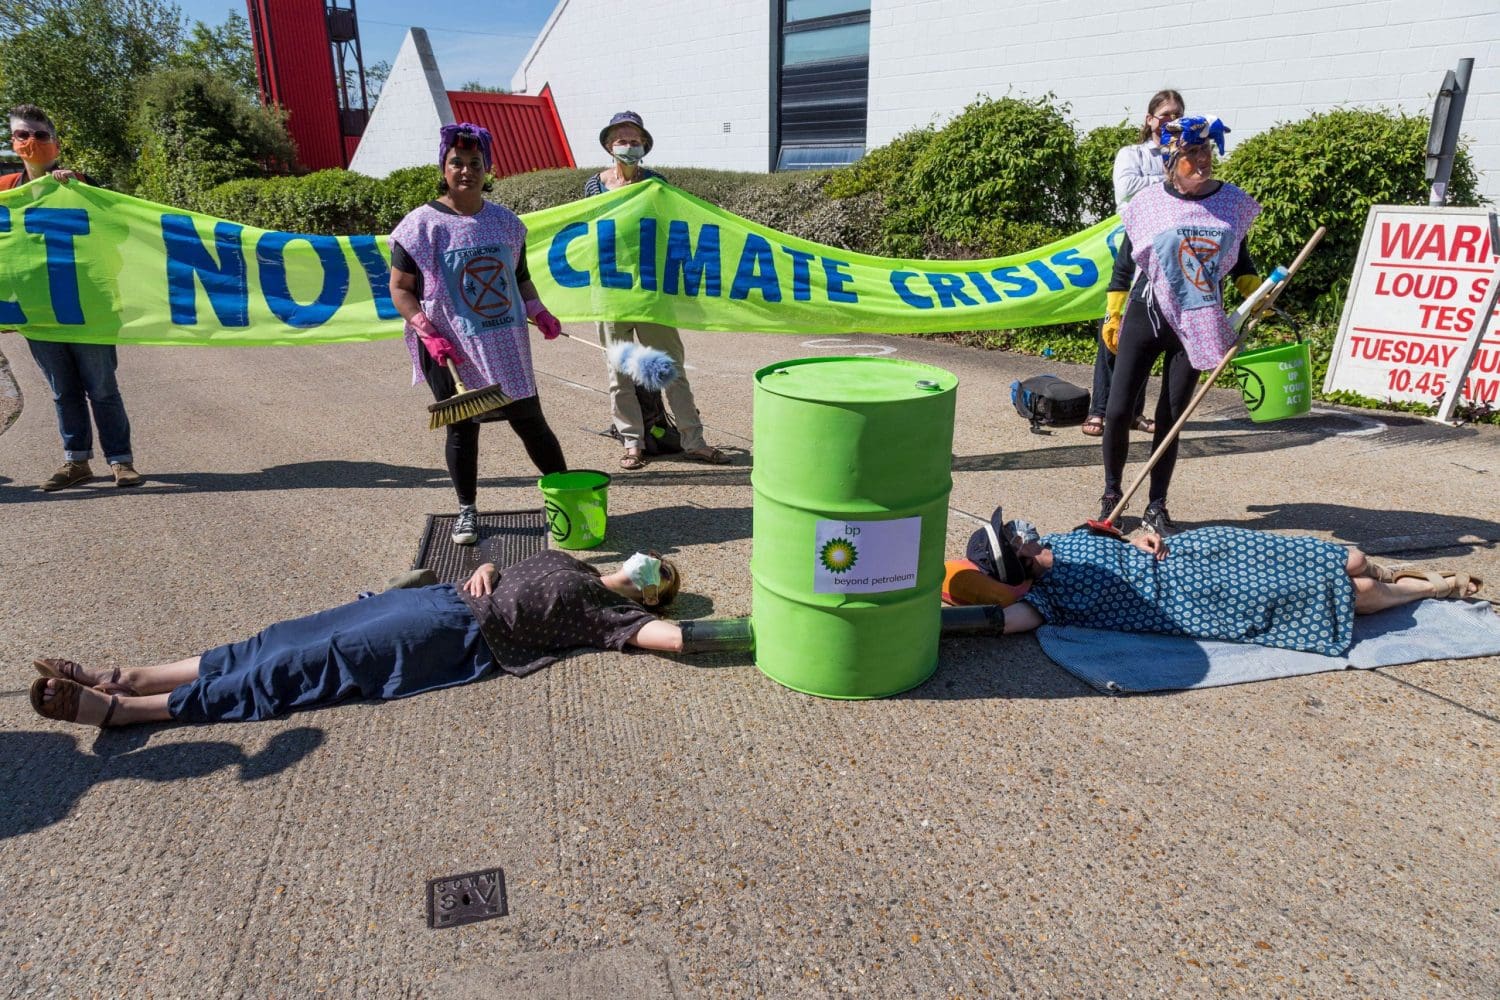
[
  {"x": 1442, "y": 145},
  {"x": 1458, "y": 370}
]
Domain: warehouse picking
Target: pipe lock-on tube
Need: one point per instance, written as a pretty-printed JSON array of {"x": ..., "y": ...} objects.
[{"x": 716, "y": 635}]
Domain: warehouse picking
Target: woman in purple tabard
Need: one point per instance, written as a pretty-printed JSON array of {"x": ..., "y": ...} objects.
[
  {"x": 459, "y": 277},
  {"x": 1185, "y": 236}
]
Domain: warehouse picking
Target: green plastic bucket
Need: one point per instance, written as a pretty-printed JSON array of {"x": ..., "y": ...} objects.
[
  {"x": 576, "y": 503},
  {"x": 851, "y": 479},
  {"x": 1275, "y": 381}
]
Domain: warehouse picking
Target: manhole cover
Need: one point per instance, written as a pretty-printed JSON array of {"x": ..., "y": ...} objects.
[{"x": 465, "y": 899}]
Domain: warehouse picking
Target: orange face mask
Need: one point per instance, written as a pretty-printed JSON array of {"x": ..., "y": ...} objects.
[{"x": 36, "y": 152}]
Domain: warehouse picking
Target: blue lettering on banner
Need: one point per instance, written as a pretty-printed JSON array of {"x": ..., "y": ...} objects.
[
  {"x": 687, "y": 268},
  {"x": 837, "y": 278},
  {"x": 57, "y": 227},
  {"x": 11, "y": 313},
  {"x": 270, "y": 255},
  {"x": 985, "y": 288},
  {"x": 609, "y": 275},
  {"x": 647, "y": 265},
  {"x": 911, "y": 298},
  {"x": 1085, "y": 273},
  {"x": 563, "y": 273},
  {"x": 1041, "y": 270},
  {"x": 950, "y": 290},
  {"x": 801, "y": 285},
  {"x": 757, "y": 270},
  {"x": 378, "y": 271},
  {"x": 224, "y": 281},
  {"x": 1020, "y": 286}
]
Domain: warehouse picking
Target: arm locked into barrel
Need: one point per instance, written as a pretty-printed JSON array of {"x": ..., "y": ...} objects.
[
  {"x": 716, "y": 635},
  {"x": 974, "y": 619}
]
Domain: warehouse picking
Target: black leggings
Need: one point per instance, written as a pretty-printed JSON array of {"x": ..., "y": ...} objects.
[
  {"x": 1145, "y": 335},
  {"x": 525, "y": 418}
]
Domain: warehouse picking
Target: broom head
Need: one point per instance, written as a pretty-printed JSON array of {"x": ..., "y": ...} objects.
[{"x": 466, "y": 405}]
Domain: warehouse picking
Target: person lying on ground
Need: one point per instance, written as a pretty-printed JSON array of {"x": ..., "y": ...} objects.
[
  {"x": 390, "y": 645},
  {"x": 1229, "y": 584}
]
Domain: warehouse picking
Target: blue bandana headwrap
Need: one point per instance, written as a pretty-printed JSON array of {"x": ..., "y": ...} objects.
[
  {"x": 469, "y": 133},
  {"x": 1194, "y": 131}
]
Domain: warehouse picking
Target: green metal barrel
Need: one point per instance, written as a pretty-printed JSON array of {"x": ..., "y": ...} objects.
[{"x": 851, "y": 477}]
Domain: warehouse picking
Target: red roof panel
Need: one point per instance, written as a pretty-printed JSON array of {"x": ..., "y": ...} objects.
[{"x": 527, "y": 133}]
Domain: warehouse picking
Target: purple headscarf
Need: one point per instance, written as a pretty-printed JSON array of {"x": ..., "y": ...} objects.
[{"x": 451, "y": 134}]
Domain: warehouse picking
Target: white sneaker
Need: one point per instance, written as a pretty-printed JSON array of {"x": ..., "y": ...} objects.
[{"x": 466, "y": 526}]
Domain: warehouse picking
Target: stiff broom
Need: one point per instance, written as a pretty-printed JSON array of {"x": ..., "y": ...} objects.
[{"x": 465, "y": 404}]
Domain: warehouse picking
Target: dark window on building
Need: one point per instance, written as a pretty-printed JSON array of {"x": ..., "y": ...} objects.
[{"x": 824, "y": 83}]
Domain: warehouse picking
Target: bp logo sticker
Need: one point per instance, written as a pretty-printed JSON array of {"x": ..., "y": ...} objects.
[{"x": 839, "y": 555}]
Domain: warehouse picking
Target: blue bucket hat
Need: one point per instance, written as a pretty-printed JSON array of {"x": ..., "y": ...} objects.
[{"x": 625, "y": 118}]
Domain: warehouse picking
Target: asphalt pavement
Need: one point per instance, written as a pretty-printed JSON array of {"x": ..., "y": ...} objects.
[{"x": 676, "y": 829}]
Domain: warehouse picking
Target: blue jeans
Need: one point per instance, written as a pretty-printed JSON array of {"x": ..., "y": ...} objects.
[{"x": 83, "y": 376}]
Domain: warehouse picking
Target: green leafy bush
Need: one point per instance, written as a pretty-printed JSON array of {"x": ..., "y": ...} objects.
[
  {"x": 329, "y": 202},
  {"x": 194, "y": 131},
  {"x": 1096, "y": 167},
  {"x": 409, "y": 187},
  {"x": 1328, "y": 169}
]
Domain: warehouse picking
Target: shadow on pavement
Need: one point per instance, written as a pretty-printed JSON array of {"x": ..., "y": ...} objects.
[
  {"x": 670, "y": 529},
  {"x": 971, "y": 668},
  {"x": 47, "y": 773},
  {"x": 1357, "y": 524}
]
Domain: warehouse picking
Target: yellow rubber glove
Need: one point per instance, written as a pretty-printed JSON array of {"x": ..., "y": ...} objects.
[
  {"x": 1114, "y": 312},
  {"x": 1247, "y": 284}
]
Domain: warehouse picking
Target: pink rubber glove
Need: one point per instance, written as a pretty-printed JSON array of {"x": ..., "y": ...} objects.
[
  {"x": 439, "y": 348},
  {"x": 545, "y": 321}
]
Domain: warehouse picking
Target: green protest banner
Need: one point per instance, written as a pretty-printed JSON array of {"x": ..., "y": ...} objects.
[{"x": 82, "y": 264}]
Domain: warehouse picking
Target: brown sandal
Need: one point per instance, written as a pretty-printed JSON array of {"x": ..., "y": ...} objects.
[
  {"x": 1446, "y": 583},
  {"x": 633, "y": 460},
  {"x": 1379, "y": 572},
  {"x": 66, "y": 697},
  {"x": 1144, "y": 424},
  {"x": 1093, "y": 426},
  {"x": 708, "y": 456},
  {"x": 67, "y": 670}
]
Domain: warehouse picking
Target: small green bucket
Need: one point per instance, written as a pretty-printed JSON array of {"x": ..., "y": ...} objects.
[
  {"x": 576, "y": 503},
  {"x": 1276, "y": 382}
]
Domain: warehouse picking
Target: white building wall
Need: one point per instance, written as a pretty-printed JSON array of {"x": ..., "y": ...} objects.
[
  {"x": 687, "y": 67},
  {"x": 1252, "y": 62}
]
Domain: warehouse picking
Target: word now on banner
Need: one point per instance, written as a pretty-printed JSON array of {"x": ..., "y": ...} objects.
[{"x": 82, "y": 264}]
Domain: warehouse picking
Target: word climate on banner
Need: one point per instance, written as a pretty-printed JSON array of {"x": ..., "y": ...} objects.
[{"x": 1416, "y": 300}]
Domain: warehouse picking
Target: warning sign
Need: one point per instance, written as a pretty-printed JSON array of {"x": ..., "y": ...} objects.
[{"x": 1415, "y": 302}]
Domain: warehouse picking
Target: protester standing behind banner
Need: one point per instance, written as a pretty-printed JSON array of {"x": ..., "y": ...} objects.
[
  {"x": 1185, "y": 235},
  {"x": 81, "y": 376},
  {"x": 626, "y": 140},
  {"x": 1137, "y": 167},
  {"x": 459, "y": 278}
]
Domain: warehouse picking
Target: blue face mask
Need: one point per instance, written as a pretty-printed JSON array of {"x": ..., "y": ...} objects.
[{"x": 645, "y": 573}]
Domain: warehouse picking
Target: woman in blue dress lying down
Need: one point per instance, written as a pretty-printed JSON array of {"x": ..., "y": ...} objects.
[
  {"x": 1230, "y": 584},
  {"x": 390, "y": 645}
]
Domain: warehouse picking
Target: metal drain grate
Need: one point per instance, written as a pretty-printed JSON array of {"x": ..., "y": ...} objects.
[
  {"x": 465, "y": 899},
  {"x": 505, "y": 538}
]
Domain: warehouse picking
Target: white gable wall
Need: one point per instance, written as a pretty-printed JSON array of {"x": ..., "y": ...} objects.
[
  {"x": 685, "y": 66},
  {"x": 413, "y": 107}
]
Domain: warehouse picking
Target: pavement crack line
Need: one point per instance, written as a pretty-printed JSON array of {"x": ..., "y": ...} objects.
[{"x": 1433, "y": 694}]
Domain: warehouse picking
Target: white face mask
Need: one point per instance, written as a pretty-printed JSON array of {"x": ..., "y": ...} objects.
[
  {"x": 628, "y": 153},
  {"x": 645, "y": 572}
]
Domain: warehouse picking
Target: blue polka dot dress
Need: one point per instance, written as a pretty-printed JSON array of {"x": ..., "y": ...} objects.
[{"x": 1229, "y": 584}]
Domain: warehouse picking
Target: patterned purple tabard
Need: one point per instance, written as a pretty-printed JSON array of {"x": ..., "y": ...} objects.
[{"x": 469, "y": 291}]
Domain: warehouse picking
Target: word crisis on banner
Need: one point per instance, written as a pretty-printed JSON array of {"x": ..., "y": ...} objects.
[{"x": 1416, "y": 297}]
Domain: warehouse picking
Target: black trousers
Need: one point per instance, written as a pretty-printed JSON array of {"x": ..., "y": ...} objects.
[
  {"x": 1145, "y": 336},
  {"x": 462, "y": 451}
]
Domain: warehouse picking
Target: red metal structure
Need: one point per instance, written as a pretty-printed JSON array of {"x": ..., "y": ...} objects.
[
  {"x": 303, "y": 51},
  {"x": 528, "y": 133}
]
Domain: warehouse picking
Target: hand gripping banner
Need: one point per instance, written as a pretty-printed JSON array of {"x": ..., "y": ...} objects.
[{"x": 82, "y": 264}]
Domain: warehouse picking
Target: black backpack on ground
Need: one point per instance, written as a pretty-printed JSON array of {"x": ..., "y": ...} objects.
[
  {"x": 1046, "y": 400},
  {"x": 661, "y": 434}
]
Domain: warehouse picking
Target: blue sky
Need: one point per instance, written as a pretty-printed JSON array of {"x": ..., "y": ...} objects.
[{"x": 478, "y": 41}]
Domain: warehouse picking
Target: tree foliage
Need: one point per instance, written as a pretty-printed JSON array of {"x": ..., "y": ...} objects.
[
  {"x": 1096, "y": 167},
  {"x": 224, "y": 50},
  {"x": 80, "y": 60},
  {"x": 195, "y": 130}
]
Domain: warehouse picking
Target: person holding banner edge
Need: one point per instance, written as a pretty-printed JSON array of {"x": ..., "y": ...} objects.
[
  {"x": 459, "y": 279},
  {"x": 81, "y": 376},
  {"x": 626, "y": 140},
  {"x": 1136, "y": 168},
  {"x": 1184, "y": 236}
]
